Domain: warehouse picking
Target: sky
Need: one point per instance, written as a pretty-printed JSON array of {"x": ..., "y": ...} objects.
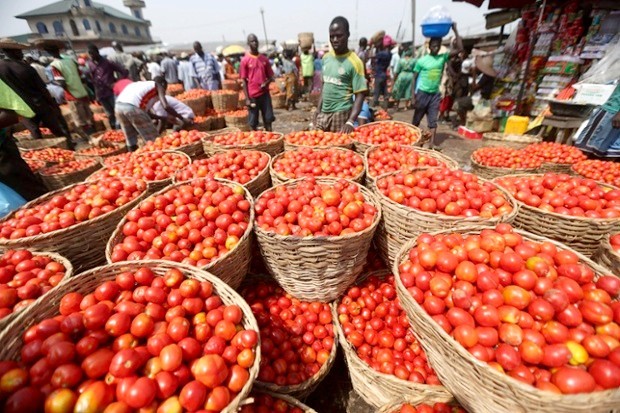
[{"x": 182, "y": 21}]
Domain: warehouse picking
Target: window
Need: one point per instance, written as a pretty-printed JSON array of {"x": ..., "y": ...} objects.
[
  {"x": 137, "y": 31},
  {"x": 87, "y": 4},
  {"x": 124, "y": 29},
  {"x": 42, "y": 28},
  {"x": 86, "y": 24},
  {"x": 58, "y": 28},
  {"x": 112, "y": 28},
  {"x": 74, "y": 28},
  {"x": 98, "y": 26},
  {"x": 137, "y": 13}
]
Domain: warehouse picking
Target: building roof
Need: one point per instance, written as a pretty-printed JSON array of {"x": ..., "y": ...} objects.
[{"x": 64, "y": 6}]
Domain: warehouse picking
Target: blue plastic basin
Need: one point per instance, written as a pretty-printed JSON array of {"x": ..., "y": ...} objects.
[{"x": 436, "y": 29}]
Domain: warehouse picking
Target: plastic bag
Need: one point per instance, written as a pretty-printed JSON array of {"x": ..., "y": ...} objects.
[
  {"x": 437, "y": 14},
  {"x": 9, "y": 200},
  {"x": 606, "y": 70}
]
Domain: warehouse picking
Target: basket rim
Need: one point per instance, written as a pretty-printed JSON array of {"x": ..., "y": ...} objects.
[
  {"x": 115, "y": 148},
  {"x": 370, "y": 198},
  {"x": 282, "y": 178},
  {"x": 210, "y": 142},
  {"x": 34, "y": 238},
  {"x": 246, "y": 235},
  {"x": 190, "y": 145},
  {"x": 69, "y": 174},
  {"x": 606, "y": 243},
  {"x": 288, "y": 136},
  {"x": 53, "y": 141},
  {"x": 523, "y": 205},
  {"x": 137, "y": 155},
  {"x": 222, "y": 131},
  {"x": 444, "y": 217},
  {"x": 379, "y": 122},
  {"x": 502, "y": 169},
  {"x": 286, "y": 397},
  {"x": 460, "y": 350},
  {"x": 446, "y": 160}
]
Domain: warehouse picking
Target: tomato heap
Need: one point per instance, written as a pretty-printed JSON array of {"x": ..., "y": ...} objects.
[
  {"x": 265, "y": 403},
  {"x": 139, "y": 341},
  {"x": 49, "y": 155},
  {"x": 240, "y": 113},
  {"x": 194, "y": 223},
  {"x": 123, "y": 157},
  {"x": 26, "y": 133},
  {"x": 175, "y": 88},
  {"x": 68, "y": 167},
  {"x": 34, "y": 165},
  {"x": 527, "y": 308},
  {"x": 384, "y": 132},
  {"x": 392, "y": 157},
  {"x": 564, "y": 194},
  {"x": 24, "y": 277},
  {"x": 245, "y": 138},
  {"x": 235, "y": 165},
  {"x": 81, "y": 203},
  {"x": 382, "y": 114},
  {"x": 553, "y": 152},
  {"x": 427, "y": 408},
  {"x": 317, "y": 138},
  {"x": 444, "y": 191},
  {"x": 96, "y": 151},
  {"x": 173, "y": 140},
  {"x": 317, "y": 209},
  {"x": 503, "y": 157},
  {"x": 297, "y": 337},
  {"x": 604, "y": 171},
  {"x": 306, "y": 162},
  {"x": 193, "y": 94},
  {"x": 614, "y": 240},
  {"x": 150, "y": 166},
  {"x": 113, "y": 136},
  {"x": 377, "y": 327}
]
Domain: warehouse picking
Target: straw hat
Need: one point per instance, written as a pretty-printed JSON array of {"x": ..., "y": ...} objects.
[
  {"x": 485, "y": 65},
  {"x": 42, "y": 43},
  {"x": 8, "y": 43}
]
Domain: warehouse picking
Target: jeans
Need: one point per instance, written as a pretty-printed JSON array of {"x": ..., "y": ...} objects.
[
  {"x": 108, "y": 108},
  {"x": 263, "y": 105}
]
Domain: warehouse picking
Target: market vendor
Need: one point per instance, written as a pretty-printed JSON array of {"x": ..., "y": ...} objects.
[{"x": 601, "y": 136}]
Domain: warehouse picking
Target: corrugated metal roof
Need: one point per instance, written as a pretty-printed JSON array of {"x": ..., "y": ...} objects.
[{"x": 64, "y": 6}]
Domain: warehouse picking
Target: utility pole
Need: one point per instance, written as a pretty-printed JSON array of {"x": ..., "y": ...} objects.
[
  {"x": 413, "y": 25},
  {"x": 262, "y": 15}
]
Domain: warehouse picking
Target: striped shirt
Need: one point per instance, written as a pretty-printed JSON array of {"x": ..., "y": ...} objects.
[
  {"x": 139, "y": 94},
  {"x": 207, "y": 70}
]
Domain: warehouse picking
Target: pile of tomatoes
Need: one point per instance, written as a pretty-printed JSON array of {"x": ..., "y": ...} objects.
[
  {"x": 26, "y": 133},
  {"x": 392, "y": 157},
  {"x": 81, "y": 203},
  {"x": 604, "y": 171},
  {"x": 529, "y": 309},
  {"x": 382, "y": 114},
  {"x": 427, "y": 408},
  {"x": 120, "y": 158},
  {"x": 193, "y": 94},
  {"x": 503, "y": 157},
  {"x": 317, "y": 209},
  {"x": 174, "y": 87},
  {"x": 24, "y": 277},
  {"x": 564, "y": 194},
  {"x": 297, "y": 337},
  {"x": 245, "y": 138},
  {"x": 34, "y": 165},
  {"x": 306, "y": 162},
  {"x": 69, "y": 167},
  {"x": 265, "y": 403},
  {"x": 445, "y": 191},
  {"x": 150, "y": 166},
  {"x": 97, "y": 151},
  {"x": 377, "y": 327},
  {"x": 317, "y": 138},
  {"x": 113, "y": 136},
  {"x": 552, "y": 152},
  {"x": 614, "y": 240},
  {"x": 194, "y": 223},
  {"x": 384, "y": 132},
  {"x": 56, "y": 155},
  {"x": 163, "y": 343},
  {"x": 173, "y": 140},
  {"x": 236, "y": 165}
]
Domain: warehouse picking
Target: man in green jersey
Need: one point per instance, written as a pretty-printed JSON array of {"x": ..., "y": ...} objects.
[{"x": 343, "y": 77}]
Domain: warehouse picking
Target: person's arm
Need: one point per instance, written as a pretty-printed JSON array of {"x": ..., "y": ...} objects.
[
  {"x": 8, "y": 118},
  {"x": 120, "y": 70},
  {"x": 458, "y": 40},
  {"x": 161, "y": 93},
  {"x": 355, "y": 111},
  {"x": 413, "y": 84},
  {"x": 270, "y": 76},
  {"x": 247, "y": 94}
]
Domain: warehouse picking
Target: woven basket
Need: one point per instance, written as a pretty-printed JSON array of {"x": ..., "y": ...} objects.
[
  {"x": 203, "y": 126},
  {"x": 317, "y": 268},
  {"x": 5, "y": 321},
  {"x": 121, "y": 149},
  {"x": 82, "y": 244},
  {"x": 230, "y": 84},
  {"x": 35, "y": 144},
  {"x": 492, "y": 172},
  {"x": 558, "y": 168},
  {"x": 497, "y": 136},
  {"x": 28, "y": 136},
  {"x": 395, "y": 404},
  {"x": 278, "y": 179},
  {"x": 279, "y": 101},
  {"x": 230, "y": 268},
  {"x": 11, "y": 338},
  {"x": 361, "y": 147},
  {"x": 288, "y": 146},
  {"x": 446, "y": 160},
  {"x": 378, "y": 388},
  {"x": 272, "y": 147},
  {"x": 401, "y": 223},
  {"x": 607, "y": 257},
  {"x": 236, "y": 121},
  {"x": 58, "y": 181},
  {"x": 225, "y": 102},
  {"x": 580, "y": 233},
  {"x": 291, "y": 401},
  {"x": 197, "y": 105},
  {"x": 479, "y": 387}
]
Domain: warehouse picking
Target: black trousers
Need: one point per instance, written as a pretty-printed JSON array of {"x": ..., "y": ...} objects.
[
  {"x": 51, "y": 118},
  {"x": 15, "y": 173}
]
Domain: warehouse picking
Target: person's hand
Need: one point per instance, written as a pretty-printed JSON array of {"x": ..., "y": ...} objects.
[
  {"x": 347, "y": 128},
  {"x": 263, "y": 85},
  {"x": 615, "y": 121},
  {"x": 413, "y": 101},
  {"x": 248, "y": 102}
]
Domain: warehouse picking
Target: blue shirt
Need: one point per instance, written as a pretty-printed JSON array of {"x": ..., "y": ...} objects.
[
  {"x": 318, "y": 64},
  {"x": 382, "y": 62},
  {"x": 207, "y": 70}
]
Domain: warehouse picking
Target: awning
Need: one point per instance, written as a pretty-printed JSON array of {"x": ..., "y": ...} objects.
[
  {"x": 502, "y": 17},
  {"x": 499, "y": 4}
]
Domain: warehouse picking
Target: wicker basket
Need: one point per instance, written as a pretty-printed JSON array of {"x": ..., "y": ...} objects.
[
  {"x": 445, "y": 160},
  {"x": 558, "y": 168},
  {"x": 35, "y": 144},
  {"x": 492, "y": 172},
  {"x": 273, "y": 147},
  {"x": 378, "y": 388},
  {"x": 579, "y": 233},
  {"x": 231, "y": 84},
  {"x": 99, "y": 158},
  {"x": 317, "y": 268},
  {"x": 288, "y": 146},
  {"x": 82, "y": 244},
  {"x": 197, "y": 105},
  {"x": 28, "y": 136},
  {"x": 279, "y": 101},
  {"x": 225, "y": 102},
  {"x": 395, "y": 404},
  {"x": 496, "y": 136},
  {"x": 278, "y": 179},
  {"x": 402, "y": 223},
  {"x": 58, "y": 181},
  {"x": 291, "y": 401},
  {"x": 236, "y": 121},
  {"x": 361, "y": 147},
  {"x": 608, "y": 257},
  {"x": 204, "y": 126},
  {"x": 11, "y": 338},
  {"x": 230, "y": 268},
  {"x": 479, "y": 387}
]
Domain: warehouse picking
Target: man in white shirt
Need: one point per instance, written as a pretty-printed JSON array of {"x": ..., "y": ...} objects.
[
  {"x": 185, "y": 72},
  {"x": 165, "y": 119},
  {"x": 154, "y": 68}
]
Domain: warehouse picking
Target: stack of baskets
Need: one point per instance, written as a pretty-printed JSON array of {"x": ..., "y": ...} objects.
[{"x": 225, "y": 100}]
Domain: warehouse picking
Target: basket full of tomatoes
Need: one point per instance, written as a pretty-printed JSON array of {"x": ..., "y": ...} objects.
[
  {"x": 492, "y": 162},
  {"x": 270, "y": 142},
  {"x": 557, "y": 157},
  {"x": 577, "y": 211},
  {"x": 314, "y": 234},
  {"x": 188, "y": 142},
  {"x": 63, "y": 174},
  {"x": 609, "y": 252},
  {"x": 604, "y": 171},
  {"x": 317, "y": 139},
  {"x": 376, "y": 133},
  {"x": 384, "y": 358},
  {"x": 100, "y": 153},
  {"x": 505, "y": 312},
  {"x": 404, "y": 405},
  {"x": 129, "y": 336},
  {"x": 265, "y": 401}
]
